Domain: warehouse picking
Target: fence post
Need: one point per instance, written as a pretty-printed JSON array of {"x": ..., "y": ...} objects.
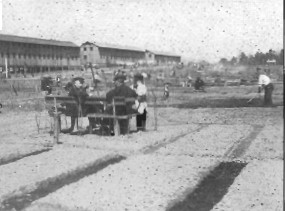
[
  {"x": 56, "y": 124},
  {"x": 116, "y": 123}
]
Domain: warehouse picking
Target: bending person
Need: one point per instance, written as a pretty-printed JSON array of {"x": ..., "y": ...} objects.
[{"x": 264, "y": 82}]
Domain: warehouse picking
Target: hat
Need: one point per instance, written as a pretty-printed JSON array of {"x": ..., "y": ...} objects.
[
  {"x": 68, "y": 86},
  {"x": 119, "y": 77},
  {"x": 78, "y": 79},
  {"x": 138, "y": 77}
]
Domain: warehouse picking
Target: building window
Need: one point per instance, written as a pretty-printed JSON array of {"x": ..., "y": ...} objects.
[
  {"x": 91, "y": 48},
  {"x": 84, "y": 48},
  {"x": 85, "y": 57}
]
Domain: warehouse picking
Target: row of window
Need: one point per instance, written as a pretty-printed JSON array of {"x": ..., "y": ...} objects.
[
  {"x": 120, "y": 57},
  {"x": 13, "y": 55},
  {"x": 85, "y": 48}
]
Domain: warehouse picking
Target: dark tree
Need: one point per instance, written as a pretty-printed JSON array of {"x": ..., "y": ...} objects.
[
  {"x": 233, "y": 61},
  {"x": 243, "y": 59},
  {"x": 223, "y": 61}
]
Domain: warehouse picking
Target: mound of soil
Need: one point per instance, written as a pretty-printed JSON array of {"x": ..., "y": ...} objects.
[{"x": 219, "y": 103}]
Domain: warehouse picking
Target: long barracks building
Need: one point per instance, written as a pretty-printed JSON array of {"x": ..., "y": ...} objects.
[
  {"x": 34, "y": 55},
  {"x": 111, "y": 55},
  {"x": 31, "y": 55}
]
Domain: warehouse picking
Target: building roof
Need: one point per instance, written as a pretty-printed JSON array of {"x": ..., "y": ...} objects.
[
  {"x": 112, "y": 46},
  {"x": 160, "y": 53},
  {"x": 13, "y": 38}
]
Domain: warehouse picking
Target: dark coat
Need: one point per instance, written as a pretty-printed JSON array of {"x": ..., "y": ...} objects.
[
  {"x": 121, "y": 91},
  {"x": 79, "y": 95}
]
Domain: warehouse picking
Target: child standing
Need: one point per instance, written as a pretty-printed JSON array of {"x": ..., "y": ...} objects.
[{"x": 141, "y": 103}]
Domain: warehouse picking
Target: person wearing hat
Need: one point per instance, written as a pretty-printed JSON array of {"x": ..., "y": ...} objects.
[
  {"x": 77, "y": 90},
  {"x": 120, "y": 90},
  {"x": 264, "y": 82},
  {"x": 141, "y": 103}
]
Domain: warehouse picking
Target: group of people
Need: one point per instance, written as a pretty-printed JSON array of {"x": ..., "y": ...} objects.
[{"x": 78, "y": 90}]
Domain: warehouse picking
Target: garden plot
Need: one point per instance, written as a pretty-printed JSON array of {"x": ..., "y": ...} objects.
[
  {"x": 257, "y": 116},
  {"x": 143, "y": 182},
  {"x": 212, "y": 141},
  {"x": 259, "y": 187},
  {"x": 29, "y": 173},
  {"x": 25, "y": 127},
  {"x": 11, "y": 152},
  {"x": 268, "y": 144},
  {"x": 134, "y": 142}
]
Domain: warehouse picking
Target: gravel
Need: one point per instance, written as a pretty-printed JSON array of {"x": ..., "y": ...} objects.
[
  {"x": 144, "y": 182},
  {"x": 26, "y": 174},
  {"x": 212, "y": 141},
  {"x": 129, "y": 144},
  {"x": 9, "y": 152},
  {"x": 259, "y": 187},
  {"x": 268, "y": 144}
]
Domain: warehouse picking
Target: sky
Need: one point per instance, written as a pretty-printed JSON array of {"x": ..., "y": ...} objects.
[{"x": 195, "y": 29}]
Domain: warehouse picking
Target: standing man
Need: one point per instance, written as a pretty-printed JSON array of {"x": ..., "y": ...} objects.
[
  {"x": 78, "y": 91},
  {"x": 264, "y": 82}
]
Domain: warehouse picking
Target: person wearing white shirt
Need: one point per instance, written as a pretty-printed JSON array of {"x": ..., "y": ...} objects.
[
  {"x": 141, "y": 103},
  {"x": 264, "y": 82}
]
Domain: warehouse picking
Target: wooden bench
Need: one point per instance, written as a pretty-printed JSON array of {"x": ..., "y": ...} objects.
[{"x": 98, "y": 103}]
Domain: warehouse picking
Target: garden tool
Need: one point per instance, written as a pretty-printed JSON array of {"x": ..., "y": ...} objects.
[{"x": 256, "y": 96}]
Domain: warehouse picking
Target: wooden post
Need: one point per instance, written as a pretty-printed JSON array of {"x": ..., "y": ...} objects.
[
  {"x": 56, "y": 124},
  {"x": 154, "y": 110},
  {"x": 116, "y": 122},
  {"x": 129, "y": 126}
]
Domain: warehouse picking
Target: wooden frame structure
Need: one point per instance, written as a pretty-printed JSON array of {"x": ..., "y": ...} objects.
[{"x": 99, "y": 102}]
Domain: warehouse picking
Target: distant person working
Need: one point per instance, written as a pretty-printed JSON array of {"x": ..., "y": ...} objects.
[
  {"x": 199, "y": 85},
  {"x": 264, "y": 82}
]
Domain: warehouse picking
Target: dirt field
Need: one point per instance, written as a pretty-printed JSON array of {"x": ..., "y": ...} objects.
[{"x": 197, "y": 159}]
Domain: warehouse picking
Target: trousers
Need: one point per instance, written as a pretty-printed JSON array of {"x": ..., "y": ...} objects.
[{"x": 268, "y": 89}]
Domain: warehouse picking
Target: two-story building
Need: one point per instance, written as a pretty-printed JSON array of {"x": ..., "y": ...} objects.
[
  {"x": 110, "y": 55},
  {"x": 31, "y": 55},
  {"x": 162, "y": 58}
]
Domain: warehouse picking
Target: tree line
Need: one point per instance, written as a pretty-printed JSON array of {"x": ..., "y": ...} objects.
[{"x": 259, "y": 58}]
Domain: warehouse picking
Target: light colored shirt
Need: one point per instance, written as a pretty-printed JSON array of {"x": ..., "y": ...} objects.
[
  {"x": 263, "y": 80},
  {"x": 141, "y": 90}
]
